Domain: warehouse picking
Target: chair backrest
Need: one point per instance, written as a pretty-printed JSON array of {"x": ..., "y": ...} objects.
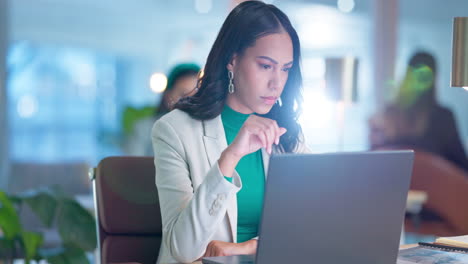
[
  {"x": 447, "y": 188},
  {"x": 129, "y": 218}
]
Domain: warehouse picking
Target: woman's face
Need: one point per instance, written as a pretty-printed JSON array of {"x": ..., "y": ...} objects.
[{"x": 260, "y": 74}]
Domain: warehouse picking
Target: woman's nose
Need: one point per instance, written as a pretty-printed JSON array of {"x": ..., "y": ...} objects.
[{"x": 276, "y": 80}]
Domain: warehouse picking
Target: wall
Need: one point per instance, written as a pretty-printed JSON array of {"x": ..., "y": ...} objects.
[{"x": 3, "y": 102}]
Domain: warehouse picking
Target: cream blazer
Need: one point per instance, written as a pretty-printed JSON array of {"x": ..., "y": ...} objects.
[{"x": 198, "y": 204}]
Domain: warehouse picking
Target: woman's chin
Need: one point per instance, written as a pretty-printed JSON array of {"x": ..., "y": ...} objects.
[{"x": 264, "y": 109}]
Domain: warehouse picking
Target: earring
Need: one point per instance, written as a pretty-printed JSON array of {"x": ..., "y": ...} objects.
[
  {"x": 279, "y": 102},
  {"x": 231, "y": 85}
]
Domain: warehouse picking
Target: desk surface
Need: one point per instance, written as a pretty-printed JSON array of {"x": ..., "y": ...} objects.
[
  {"x": 413, "y": 205},
  {"x": 401, "y": 247}
]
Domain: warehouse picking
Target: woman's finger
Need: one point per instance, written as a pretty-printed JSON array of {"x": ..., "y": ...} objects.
[
  {"x": 211, "y": 250},
  {"x": 263, "y": 130},
  {"x": 283, "y": 131},
  {"x": 273, "y": 127},
  {"x": 272, "y": 133},
  {"x": 269, "y": 137},
  {"x": 268, "y": 127},
  {"x": 277, "y": 132},
  {"x": 261, "y": 135},
  {"x": 268, "y": 146}
]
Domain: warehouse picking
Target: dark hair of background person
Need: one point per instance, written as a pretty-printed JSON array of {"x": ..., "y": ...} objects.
[
  {"x": 178, "y": 72},
  {"x": 426, "y": 100},
  {"x": 246, "y": 23}
]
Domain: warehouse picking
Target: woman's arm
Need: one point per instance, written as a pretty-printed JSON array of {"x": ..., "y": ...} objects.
[
  {"x": 220, "y": 248},
  {"x": 187, "y": 217}
]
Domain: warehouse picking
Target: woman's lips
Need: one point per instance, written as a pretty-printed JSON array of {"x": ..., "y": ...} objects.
[{"x": 270, "y": 100}]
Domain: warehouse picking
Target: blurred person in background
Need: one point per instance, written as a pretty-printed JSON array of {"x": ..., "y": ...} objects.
[
  {"x": 416, "y": 120},
  {"x": 181, "y": 82}
]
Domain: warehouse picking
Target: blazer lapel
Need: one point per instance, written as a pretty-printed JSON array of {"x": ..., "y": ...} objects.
[
  {"x": 215, "y": 142},
  {"x": 214, "y": 139}
]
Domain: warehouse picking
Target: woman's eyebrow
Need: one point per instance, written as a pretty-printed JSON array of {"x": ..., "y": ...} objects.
[{"x": 273, "y": 61}]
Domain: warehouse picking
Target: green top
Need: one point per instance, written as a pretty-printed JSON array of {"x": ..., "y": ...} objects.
[{"x": 250, "y": 169}]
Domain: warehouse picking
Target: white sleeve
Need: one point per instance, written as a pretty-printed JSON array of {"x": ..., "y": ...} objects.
[{"x": 188, "y": 218}]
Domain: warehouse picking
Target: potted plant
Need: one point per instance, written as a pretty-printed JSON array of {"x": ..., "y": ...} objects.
[{"x": 75, "y": 225}]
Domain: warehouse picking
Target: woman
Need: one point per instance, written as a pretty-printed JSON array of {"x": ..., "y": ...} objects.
[
  {"x": 212, "y": 151},
  {"x": 416, "y": 120},
  {"x": 182, "y": 81}
]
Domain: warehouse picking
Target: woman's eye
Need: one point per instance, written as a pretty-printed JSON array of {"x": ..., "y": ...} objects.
[
  {"x": 287, "y": 69},
  {"x": 266, "y": 66}
]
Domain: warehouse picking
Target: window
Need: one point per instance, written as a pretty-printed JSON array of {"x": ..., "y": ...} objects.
[{"x": 62, "y": 104}]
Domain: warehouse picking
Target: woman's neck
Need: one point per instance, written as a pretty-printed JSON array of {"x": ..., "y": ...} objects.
[{"x": 237, "y": 106}]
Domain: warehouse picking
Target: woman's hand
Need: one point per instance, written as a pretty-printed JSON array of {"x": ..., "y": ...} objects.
[
  {"x": 257, "y": 132},
  {"x": 219, "y": 248}
]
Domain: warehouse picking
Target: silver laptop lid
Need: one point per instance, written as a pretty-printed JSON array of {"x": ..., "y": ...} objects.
[{"x": 334, "y": 208}]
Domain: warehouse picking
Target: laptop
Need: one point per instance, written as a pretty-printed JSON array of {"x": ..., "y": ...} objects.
[{"x": 332, "y": 208}]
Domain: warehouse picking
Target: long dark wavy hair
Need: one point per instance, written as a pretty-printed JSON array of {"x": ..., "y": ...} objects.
[{"x": 246, "y": 23}]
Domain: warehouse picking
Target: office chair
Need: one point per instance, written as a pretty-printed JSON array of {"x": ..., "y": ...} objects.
[
  {"x": 446, "y": 186},
  {"x": 127, "y": 209}
]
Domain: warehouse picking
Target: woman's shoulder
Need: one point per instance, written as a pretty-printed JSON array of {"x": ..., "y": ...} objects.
[
  {"x": 177, "y": 115},
  {"x": 178, "y": 120}
]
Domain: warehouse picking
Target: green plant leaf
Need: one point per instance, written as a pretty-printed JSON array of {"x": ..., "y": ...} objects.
[
  {"x": 15, "y": 200},
  {"x": 9, "y": 220},
  {"x": 76, "y": 225},
  {"x": 31, "y": 242},
  {"x": 59, "y": 259},
  {"x": 76, "y": 256},
  {"x": 69, "y": 255},
  {"x": 42, "y": 202},
  {"x": 131, "y": 115},
  {"x": 53, "y": 255}
]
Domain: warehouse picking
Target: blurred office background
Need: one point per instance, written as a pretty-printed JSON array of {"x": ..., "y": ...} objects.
[{"x": 72, "y": 67}]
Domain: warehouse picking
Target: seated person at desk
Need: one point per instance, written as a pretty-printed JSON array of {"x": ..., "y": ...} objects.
[
  {"x": 181, "y": 82},
  {"x": 415, "y": 119},
  {"x": 210, "y": 152}
]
